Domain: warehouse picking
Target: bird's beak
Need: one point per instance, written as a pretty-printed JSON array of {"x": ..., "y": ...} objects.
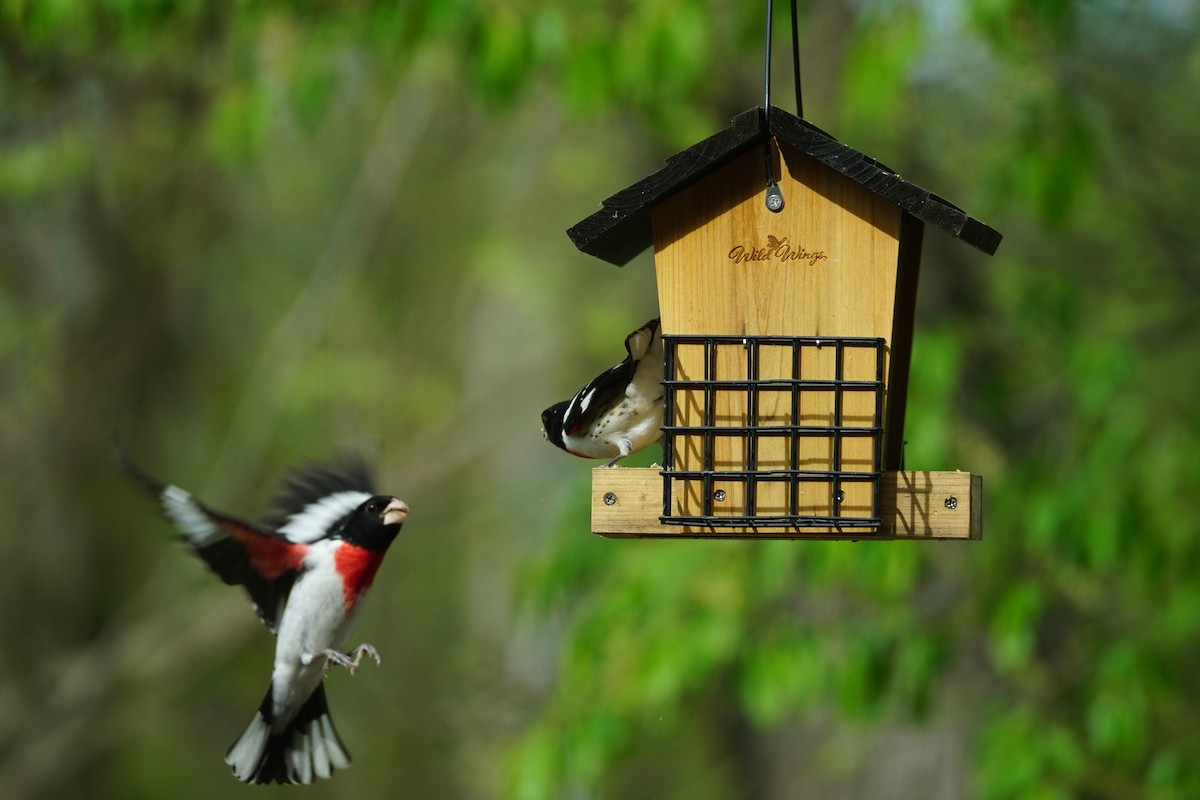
[{"x": 396, "y": 512}]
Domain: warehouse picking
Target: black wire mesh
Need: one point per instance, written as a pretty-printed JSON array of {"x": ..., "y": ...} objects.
[{"x": 782, "y": 431}]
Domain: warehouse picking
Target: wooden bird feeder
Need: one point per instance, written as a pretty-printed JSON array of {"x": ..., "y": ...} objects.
[{"x": 787, "y": 336}]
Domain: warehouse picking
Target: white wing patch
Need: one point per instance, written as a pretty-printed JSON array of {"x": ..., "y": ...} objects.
[
  {"x": 586, "y": 401},
  {"x": 581, "y": 399},
  {"x": 314, "y": 521},
  {"x": 189, "y": 517}
]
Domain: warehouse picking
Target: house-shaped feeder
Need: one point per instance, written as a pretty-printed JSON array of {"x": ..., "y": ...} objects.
[{"x": 787, "y": 336}]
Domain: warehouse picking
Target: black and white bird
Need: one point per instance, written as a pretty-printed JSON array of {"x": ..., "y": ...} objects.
[
  {"x": 620, "y": 411},
  {"x": 306, "y": 570}
]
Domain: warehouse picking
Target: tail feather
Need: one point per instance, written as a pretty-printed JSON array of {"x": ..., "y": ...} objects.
[
  {"x": 648, "y": 376},
  {"x": 638, "y": 342},
  {"x": 308, "y": 747}
]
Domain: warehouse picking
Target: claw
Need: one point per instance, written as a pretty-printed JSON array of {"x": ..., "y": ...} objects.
[{"x": 349, "y": 660}]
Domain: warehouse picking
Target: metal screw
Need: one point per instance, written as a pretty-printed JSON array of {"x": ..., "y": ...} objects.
[
  {"x": 610, "y": 499},
  {"x": 719, "y": 495},
  {"x": 952, "y": 502},
  {"x": 774, "y": 199}
]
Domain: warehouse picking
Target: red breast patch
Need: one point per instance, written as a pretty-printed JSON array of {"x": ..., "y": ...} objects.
[{"x": 357, "y": 566}]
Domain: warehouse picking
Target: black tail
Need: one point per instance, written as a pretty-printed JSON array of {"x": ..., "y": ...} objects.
[{"x": 307, "y": 747}]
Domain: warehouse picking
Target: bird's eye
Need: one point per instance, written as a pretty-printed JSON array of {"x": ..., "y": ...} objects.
[{"x": 375, "y": 507}]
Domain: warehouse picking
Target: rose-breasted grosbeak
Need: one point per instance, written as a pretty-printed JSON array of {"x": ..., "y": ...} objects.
[
  {"x": 620, "y": 411},
  {"x": 306, "y": 570}
]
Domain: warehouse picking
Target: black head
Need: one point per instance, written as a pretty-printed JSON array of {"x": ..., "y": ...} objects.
[
  {"x": 552, "y": 423},
  {"x": 375, "y": 523}
]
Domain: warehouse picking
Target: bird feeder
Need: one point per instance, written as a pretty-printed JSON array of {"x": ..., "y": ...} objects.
[{"x": 787, "y": 322}]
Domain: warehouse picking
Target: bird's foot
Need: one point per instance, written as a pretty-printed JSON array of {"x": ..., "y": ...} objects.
[
  {"x": 624, "y": 448},
  {"x": 349, "y": 660}
]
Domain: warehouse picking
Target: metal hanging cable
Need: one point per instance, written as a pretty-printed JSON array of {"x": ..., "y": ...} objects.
[
  {"x": 796, "y": 61},
  {"x": 774, "y": 198}
]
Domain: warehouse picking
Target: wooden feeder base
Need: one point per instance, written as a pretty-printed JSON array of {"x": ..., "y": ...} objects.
[{"x": 627, "y": 503}]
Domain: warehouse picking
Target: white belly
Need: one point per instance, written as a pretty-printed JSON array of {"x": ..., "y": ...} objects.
[{"x": 313, "y": 621}]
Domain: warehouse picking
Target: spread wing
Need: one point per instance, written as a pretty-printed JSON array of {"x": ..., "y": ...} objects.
[
  {"x": 240, "y": 553},
  {"x": 314, "y": 502}
]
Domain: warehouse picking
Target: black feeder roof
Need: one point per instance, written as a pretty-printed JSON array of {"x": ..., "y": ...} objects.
[{"x": 621, "y": 228}]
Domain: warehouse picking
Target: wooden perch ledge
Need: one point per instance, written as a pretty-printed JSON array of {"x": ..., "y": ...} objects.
[{"x": 914, "y": 504}]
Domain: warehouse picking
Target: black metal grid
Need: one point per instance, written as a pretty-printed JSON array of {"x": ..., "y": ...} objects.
[{"x": 752, "y": 433}]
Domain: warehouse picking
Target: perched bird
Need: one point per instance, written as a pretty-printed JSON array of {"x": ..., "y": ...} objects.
[
  {"x": 620, "y": 411},
  {"x": 306, "y": 570}
]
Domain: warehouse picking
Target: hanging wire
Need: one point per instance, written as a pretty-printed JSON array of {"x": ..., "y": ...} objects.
[
  {"x": 767, "y": 61},
  {"x": 774, "y": 199},
  {"x": 796, "y": 61}
]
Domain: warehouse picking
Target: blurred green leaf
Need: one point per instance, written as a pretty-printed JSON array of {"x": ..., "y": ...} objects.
[
  {"x": 1013, "y": 630},
  {"x": 238, "y": 122},
  {"x": 36, "y": 168},
  {"x": 1020, "y": 758},
  {"x": 864, "y": 676},
  {"x": 783, "y": 677},
  {"x": 878, "y": 63},
  {"x": 1117, "y": 713}
]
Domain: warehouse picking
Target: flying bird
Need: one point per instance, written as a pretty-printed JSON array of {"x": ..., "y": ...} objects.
[
  {"x": 306, "y": 569},
  {"x": 620, "y": 411}
]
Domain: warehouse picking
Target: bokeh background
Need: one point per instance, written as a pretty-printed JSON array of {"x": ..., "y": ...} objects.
[{"x": 249, "y": 234}]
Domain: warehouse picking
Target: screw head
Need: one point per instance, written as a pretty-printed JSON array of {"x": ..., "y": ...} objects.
[
  {"x": 610, "y": 499},
  {"x": 719, "y": 495},
  {"x": 774, "y": 199},
  {"x": 951, "y": 502}
]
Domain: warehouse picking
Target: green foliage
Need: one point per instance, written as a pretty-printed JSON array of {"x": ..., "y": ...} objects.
[
  {"x": 1057, "y": 140},
  {"x": 885, "y": 42},
  {"x": 237, "y": 123},
  {"x": 1022, "y": 756},
  {"x": 1014, "y": 27},
  {"x": 1013, "y": 628},
  {"x": 657, "y": 624},
  {"x": 33, "y": 168}
]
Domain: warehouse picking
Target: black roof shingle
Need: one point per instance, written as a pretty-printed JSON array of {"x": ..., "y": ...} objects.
[{"x": 621, "y": 230}]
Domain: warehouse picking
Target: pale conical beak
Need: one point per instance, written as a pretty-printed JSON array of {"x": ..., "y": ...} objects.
[{"x": 396, "y": 512}]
